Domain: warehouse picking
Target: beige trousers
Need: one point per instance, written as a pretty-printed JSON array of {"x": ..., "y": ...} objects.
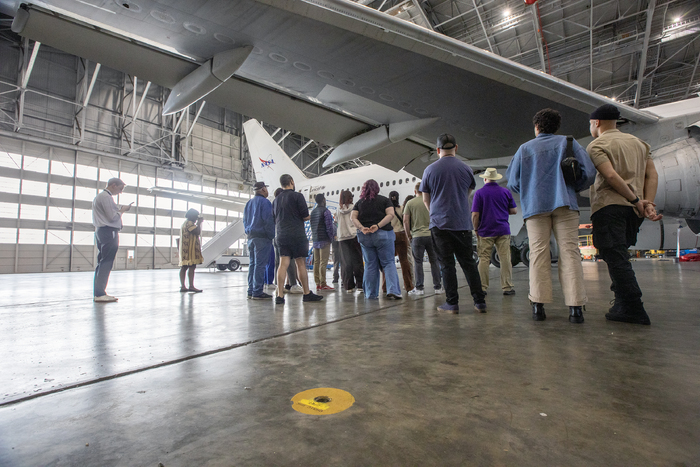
[
  {"x": 564, "y": 223},
  {"x": 484, "y": 245},
  {"x": 320, "y": 263}
]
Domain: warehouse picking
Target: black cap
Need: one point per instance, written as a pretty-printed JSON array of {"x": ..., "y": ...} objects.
[
  {"x": 606, "y": 112},
  {"x": 259, "y": 186},
  {"x": 446, "y": 141}
]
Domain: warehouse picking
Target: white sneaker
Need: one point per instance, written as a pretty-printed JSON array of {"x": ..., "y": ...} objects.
[
  {"x": 296, "y": 288},
  {"x": 271, "y": 286},
  {"x": 350, "y": 290},
  {"x": 105, "y": 299},
  {"x": 440, "y": 291},
  {"x": 416, "y": 292},
  {"x": 360, "y": 290}
]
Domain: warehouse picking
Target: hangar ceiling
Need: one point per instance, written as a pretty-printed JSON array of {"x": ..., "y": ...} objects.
[{"x": 608, "y": 46}]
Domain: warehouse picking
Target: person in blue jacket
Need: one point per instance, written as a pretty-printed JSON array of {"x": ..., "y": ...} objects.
[
  {"x": 260, "y": 229},
  {"x": 549, "y": 206}
]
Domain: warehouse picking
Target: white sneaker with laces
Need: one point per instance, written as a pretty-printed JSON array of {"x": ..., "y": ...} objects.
[
  {"x": 105, "y": 299},
  {"x": 416, "y": 292},
  {"x": 440, "y": 291},
  {"x": 296, "y": 288},
  {"x": 350, "y": 290}
]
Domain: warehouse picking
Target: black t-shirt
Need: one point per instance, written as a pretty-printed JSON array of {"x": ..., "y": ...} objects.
[
  {"x": 289, "y": 210},
  {"x": 371, "y": 212}
]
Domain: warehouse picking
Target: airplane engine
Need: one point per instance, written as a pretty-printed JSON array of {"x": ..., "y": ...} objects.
[{"x": 678, "y": 195}]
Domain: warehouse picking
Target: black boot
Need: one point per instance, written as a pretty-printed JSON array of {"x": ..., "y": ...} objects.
[
  {"x": 632, "y": 313},
  {"x": 538, "y": 311},
  {"x": 575, "y": 314}
]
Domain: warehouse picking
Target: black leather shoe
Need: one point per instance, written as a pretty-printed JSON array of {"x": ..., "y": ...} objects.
[
  {"x": 576, "y": 314},
  {"x": 538, "y": 311}
]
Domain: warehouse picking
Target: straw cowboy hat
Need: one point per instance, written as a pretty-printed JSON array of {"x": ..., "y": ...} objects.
[{"x": 491, "y": 174}]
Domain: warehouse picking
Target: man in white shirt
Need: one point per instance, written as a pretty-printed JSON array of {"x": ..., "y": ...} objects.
[{"x": 107, "y": 219}]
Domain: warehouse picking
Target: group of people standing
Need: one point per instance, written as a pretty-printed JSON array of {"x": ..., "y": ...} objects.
[{"x": 440, "y": 220}]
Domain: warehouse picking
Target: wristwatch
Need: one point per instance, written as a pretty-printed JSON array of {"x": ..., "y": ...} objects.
[{"x": 636, "y": 200}]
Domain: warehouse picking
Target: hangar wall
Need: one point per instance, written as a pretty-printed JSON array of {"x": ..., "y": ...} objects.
[{"x": 62, "y": 138}]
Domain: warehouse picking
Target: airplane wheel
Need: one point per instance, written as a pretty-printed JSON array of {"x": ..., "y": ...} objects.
[
  {"x": 514, "y": 255},
  {"x": 525, "y": 255},
  {"x": 221, "y": 267},
  {"x": 495, "y": 259},
  {"x": 233, "y": 265}
]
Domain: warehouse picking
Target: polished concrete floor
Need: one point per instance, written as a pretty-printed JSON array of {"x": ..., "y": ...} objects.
[{"x": 189, "y": 380}]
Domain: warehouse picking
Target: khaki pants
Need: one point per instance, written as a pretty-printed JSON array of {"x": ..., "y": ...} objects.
[
  {"x": 484, "y": 245},
  {"x": 564, "y": 223},
  {"x": 320, "y": 264}
]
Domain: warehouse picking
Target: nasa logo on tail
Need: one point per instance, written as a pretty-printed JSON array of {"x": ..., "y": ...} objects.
[{"x": 266, "y": 163}]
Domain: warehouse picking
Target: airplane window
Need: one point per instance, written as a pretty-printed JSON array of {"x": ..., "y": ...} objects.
[
  {"x": 406, "y": 180},
  {"x": 381, "y": 184},
  {"x": 394, "y": 182},
  {"x": 353, "y": 188},
  {"x": 400, "y": 181},
  {"x": 414, "y": 179},
  {"x": 358, "y": 188}
]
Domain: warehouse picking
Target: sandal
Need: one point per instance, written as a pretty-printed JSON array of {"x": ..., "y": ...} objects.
[
  {"x": 192, "y": 289},
  {"x": 184, "y": 289}
]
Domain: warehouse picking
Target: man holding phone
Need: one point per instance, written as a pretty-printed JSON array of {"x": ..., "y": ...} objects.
[{"x": 107, "y": 219}]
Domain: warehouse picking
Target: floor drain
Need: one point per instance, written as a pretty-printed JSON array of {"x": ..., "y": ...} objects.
[{"x": 322, "y": 399}]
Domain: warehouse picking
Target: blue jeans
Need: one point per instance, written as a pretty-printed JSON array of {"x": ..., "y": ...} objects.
[
  {"x": 259, "y": 253},
  {"x": 378, "y": 250}
]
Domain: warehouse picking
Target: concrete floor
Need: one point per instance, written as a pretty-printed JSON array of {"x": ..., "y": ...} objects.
[{"x": 206, "y": 379}]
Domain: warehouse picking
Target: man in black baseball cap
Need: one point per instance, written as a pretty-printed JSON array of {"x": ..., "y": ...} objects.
[
  {"x": 446, "y": 141},
  {"x": 260, "y": 229},
  {"x": 446, "y": 186},
  {"x": 621, "y": 197}
]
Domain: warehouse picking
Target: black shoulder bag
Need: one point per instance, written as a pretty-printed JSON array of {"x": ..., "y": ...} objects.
[{"x": 570, "y": 167}]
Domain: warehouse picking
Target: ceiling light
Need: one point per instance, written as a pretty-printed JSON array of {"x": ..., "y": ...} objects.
[
  {"x": 506, "y": 13},
  {"x": 677, "y": 19}
]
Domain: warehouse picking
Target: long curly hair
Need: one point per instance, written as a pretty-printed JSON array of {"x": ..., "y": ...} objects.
[{"x": 370, "y": 190}]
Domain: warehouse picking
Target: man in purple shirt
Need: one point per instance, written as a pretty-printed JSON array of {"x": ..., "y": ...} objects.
[{"x": 490, "y": 209}]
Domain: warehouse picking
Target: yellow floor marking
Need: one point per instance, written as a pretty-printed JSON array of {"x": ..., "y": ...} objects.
[{"x": 322, "y": 401}]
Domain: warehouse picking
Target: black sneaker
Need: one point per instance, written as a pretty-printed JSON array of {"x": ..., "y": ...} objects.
[
  {"x": 480, "y": 307},
  {"x": 279, "y": 300},
  {"x": 629, "y": 315},
  {"x": 287, "y": 287},
  {"x": 262, "y": 296},
  {"x": 509, "y": 292},
  {"x": 393, "y": 296},
  {"x": 312, "y": 297}
]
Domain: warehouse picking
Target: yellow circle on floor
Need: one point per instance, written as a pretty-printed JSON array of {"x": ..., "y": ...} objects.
[{"x": 322, "y": 401}]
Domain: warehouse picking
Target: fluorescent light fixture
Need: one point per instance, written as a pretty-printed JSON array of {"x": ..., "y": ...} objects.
[
  {"x": 677, "y": 19},
  {"x": 506, "y": 12}
]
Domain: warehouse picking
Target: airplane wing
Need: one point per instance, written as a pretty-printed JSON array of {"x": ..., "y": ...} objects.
[
  {"x": 332, "y": 70},
  {"x": 234, "y": 203}
]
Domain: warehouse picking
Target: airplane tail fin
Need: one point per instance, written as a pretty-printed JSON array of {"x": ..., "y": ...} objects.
[{"x": 269, "y": 160}]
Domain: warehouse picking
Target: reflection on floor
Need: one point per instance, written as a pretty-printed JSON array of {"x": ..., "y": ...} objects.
[{"x": 195, "y": 379}]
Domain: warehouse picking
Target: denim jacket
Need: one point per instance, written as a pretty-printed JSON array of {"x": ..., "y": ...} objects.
[{"x": 535, "y": 173}]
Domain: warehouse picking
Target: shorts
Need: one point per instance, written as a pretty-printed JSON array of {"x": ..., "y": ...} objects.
[{"x": 294, "y": 249}]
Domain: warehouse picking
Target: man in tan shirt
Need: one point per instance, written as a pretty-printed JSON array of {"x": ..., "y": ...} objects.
[{"x": 621, "y": 197}]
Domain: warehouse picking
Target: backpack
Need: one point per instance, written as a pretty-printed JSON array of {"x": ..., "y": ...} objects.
[{"x": 570, "y": 167}]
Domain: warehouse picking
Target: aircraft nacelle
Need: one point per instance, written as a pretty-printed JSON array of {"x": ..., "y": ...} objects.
[{"x": 678, "y": 195}]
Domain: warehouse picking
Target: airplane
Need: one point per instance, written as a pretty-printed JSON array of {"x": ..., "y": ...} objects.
[{"x": 368, "y": 84}]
